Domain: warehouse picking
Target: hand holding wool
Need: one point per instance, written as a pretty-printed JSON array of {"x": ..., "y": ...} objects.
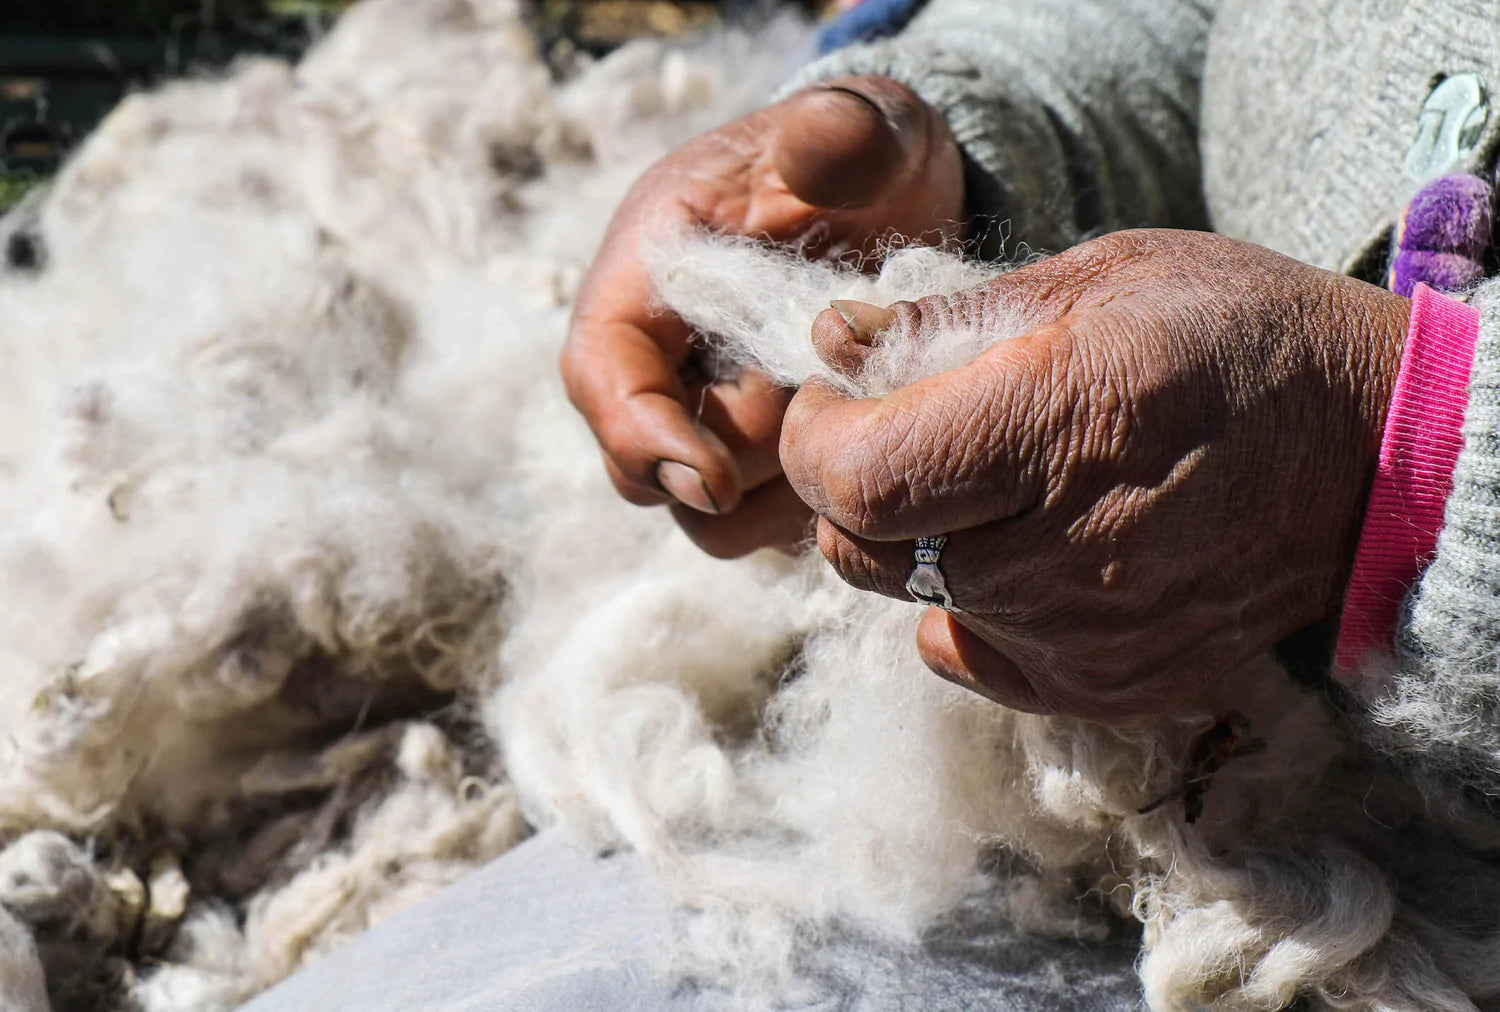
[
  {"x": 832, "y": 169},
  {"x": 1163, "y": 476}
]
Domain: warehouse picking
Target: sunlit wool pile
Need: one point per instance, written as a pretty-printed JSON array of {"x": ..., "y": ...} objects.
[{"x": 316, "y": 596}]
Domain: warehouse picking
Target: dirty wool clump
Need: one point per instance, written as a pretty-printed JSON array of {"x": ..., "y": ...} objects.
[{"x": 317, "y": 596}]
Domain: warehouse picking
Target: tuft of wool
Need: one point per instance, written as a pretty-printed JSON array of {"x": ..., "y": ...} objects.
[
  {"x": 317, "y": 597},
  {"x": 755, "y": 306}
]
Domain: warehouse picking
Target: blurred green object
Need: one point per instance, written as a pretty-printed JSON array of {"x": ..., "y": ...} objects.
[
  {"x": 15, "y": 186},
  {"x": 65, "y": 63}
]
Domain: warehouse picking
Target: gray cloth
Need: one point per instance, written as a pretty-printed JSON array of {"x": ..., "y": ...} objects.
[
  {"x": 1308, "y": 109},
  {"x": 551, "y": 928},
  {"x": 1076, "y": 115},
  {"x": 1442, "y": 708},
  {"x": 1290, "y": 118}
]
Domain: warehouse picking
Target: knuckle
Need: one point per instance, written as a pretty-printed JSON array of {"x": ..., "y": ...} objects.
[
  {"x": 570, "y": 365},
  {"x": 851, "y": 564},
  {"x": 831, "y": 340},
  {"x": 1081, "y": 275},
  {"x": 960, "y": 312},
  {"x": 866, "y": 491},
  {"x": 1115, "y": 250},
  {"x": 1062, "y": 428},
  {"x": 618, "y": 445},
  {"x": 799, "y": 455},
  {"x": 1021, "y": 423},
  {"x": 1101, "y": 414},
  {"x": 843, "y": 490}
]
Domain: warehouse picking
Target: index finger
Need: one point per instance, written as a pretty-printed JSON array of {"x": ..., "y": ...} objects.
[{"x": 620, "y": 366}]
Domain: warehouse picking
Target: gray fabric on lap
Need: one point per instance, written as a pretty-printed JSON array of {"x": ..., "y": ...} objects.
[{"x": 552, "y": 927}]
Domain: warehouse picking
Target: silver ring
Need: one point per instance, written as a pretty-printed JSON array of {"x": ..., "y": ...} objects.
[{"x": 926, "y": 583}]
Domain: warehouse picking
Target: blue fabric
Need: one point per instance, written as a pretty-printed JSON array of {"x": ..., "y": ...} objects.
[{"x": 870, "y": 20}]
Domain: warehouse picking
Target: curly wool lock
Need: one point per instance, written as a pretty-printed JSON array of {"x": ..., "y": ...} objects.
[{"x": 295, "y": 504}]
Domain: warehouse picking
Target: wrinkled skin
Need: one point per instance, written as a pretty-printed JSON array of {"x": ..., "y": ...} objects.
[
  {"x": 833, "y": 169},
  {"x": 1164, "y": 476}
]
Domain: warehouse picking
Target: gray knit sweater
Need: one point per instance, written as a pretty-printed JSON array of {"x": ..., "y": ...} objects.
[{"x": 1283, "y": 122}]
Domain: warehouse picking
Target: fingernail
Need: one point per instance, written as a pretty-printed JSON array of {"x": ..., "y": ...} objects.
[
  {"x": 864, "y": 320},
  {"x": 687, "y": 486}
]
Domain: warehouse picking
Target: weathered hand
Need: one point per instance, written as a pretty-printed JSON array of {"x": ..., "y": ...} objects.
[
  {"x": 1165, "y": 475},
  {"x": 831, "y": 169}
]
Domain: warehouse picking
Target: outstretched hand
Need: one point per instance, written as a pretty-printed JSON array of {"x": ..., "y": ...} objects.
[
  {"x": 833, "y": 168},
  {"x": 1164, "y": 476}
]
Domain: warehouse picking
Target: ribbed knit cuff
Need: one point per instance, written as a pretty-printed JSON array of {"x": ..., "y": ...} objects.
[{"x": 1418, "y": 451}]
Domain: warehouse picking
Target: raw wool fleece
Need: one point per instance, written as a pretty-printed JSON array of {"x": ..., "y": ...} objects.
[
  {"x": 1311, "y": 875},
  {"x": 281, "y": 433},
  {"x": 317, "y": 595}
]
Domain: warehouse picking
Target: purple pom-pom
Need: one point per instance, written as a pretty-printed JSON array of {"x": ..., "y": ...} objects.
[
  {"x": 1453, "y": 214},
  {"x": 1447, "y": 272}
]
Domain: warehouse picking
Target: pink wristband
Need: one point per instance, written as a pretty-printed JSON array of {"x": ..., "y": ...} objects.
[{"x": 1423, "y": 435}]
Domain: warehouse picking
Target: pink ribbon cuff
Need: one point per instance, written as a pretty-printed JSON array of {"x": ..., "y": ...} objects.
[{"x": 1418, "y": 450}]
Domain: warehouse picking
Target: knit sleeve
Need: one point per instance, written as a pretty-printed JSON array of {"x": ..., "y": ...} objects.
[
  {"x": 1438, "y": 710},
  {"x": 1075, "y": 116}
]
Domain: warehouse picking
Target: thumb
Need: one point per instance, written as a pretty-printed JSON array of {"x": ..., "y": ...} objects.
[{"x": 852, "y": 142}]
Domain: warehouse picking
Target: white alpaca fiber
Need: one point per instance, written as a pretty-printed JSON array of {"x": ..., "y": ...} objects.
[
  {"x": 317, "y": 597},
  {"x": 757, "y": 305}
]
